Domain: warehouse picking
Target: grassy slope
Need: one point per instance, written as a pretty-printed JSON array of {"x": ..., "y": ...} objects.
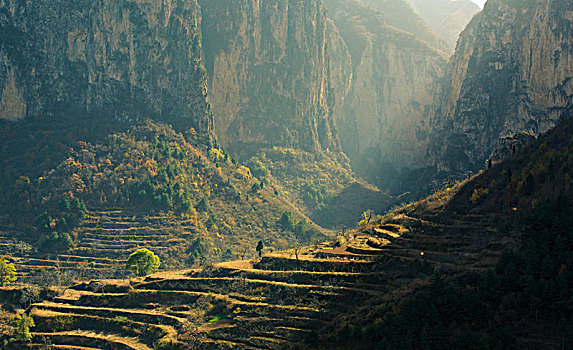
[{"x": 322, "y": 185}]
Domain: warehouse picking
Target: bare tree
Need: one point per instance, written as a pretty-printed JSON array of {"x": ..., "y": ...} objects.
[
  {"x": 243, "y": 253},
  {"x": 296, "y": 248}
]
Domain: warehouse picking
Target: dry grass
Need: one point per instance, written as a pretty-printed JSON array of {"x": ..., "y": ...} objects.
[{"x": 131, "y": 342}]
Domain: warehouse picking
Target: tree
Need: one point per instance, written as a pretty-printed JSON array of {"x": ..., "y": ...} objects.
[
  {"x": 22, "y": 325},
  {"x": 243, "y": 253},
  {"x": 286, "y": 222},
  {"x": 197, "y": 252},
  {"x": 258, "y": 169},
  {"x": 7, "y": 272},
  {"x": 56, "y": 242},
  {"x": 366, "y": 217},
  {"x": 296, "y": 248},
  {"x": 301, "y": 228},
  {"x": 256, "y": 187},
  {"x": 203, "y": 205},
  {"x": 260, "y": 248},
  {"x": 143, "y": 261},
  {"x": 228, "y": 255}
]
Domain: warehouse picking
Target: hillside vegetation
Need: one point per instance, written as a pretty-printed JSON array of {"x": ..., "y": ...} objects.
[
  {"x": 519, "y": 213},
  {"x": 322, "y": 185},
  {"x": 82, "y": 196}
]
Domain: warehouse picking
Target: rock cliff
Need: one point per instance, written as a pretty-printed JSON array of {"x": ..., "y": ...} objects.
[
  {"x": 123, "y": 58},
  {"x": 268, "y": 69},
  {"x": 512, "y": 71},
  {"x": 384, "y": 95}
]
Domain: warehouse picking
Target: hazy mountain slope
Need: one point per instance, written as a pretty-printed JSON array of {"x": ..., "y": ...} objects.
[
  {"x": 323, "y": 186},
  {"x": 446, "y": 18},
  {"x": 123, "y": 58},
  {"x": 399, "y": 14},
  {"x": 384, "y": 98},
  {"x": 268, "y": 69},
  {"x": 512, "y": 71}
]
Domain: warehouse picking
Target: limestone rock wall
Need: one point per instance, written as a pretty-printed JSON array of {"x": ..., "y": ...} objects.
[
  {"x": 126, "y": 58},
  {"x": 512, "y": 71},
  {"x": 268, "y": 68}
]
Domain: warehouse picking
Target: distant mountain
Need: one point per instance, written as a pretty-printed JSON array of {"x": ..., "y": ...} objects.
[
  {"x": 446, "y": 18},
  {"x": 399, "y": 14},
  {"x": 384, "y": 80}
]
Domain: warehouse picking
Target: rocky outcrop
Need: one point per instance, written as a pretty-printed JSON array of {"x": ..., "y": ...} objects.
[
  {"x": 512, "y": 71},
  {"x": 446, "y": 18},
  {"x": 125, "y": 58},
  {"x": 383, "y": 100},
  {"x": 509, "y": 145},
  {"x": 268, "y": 68}
]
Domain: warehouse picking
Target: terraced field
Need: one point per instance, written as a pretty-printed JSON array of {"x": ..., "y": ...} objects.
[
  {"x": 283, "y": 300},
  {"x": 105, "y": 240}
]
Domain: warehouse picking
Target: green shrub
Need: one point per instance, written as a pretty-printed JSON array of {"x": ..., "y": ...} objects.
[
  {"x": 22, "y": 324},
  {"x": 143, "y": 261}
]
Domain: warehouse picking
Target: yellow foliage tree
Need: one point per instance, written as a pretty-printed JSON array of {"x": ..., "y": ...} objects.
[{"x": 7, "y": 272}]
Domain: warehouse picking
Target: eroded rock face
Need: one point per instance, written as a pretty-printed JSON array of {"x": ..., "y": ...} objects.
[
  {"x": 124, "y": 58},
  {"x": 509, "y": 145},
  {"x": 383, "y": 100},
  {"x": 268, "y": 69},
  {"x": 512, "y": 71}
]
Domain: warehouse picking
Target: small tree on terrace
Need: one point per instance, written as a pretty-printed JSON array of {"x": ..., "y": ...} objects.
[
  {"x": 7, "y": 272},
  {"x": 22, "y": 326},
  {"x": 143, "y": 261}
]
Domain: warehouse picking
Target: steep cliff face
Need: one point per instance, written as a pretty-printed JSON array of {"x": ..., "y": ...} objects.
[
  {"x": 124, "y": 58},
  {"x": 446, "y": 18},
  {"x": 268, "y": 70},
  {"x": 512, "y": 71},
  {"x": 385, "y": 97}
]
